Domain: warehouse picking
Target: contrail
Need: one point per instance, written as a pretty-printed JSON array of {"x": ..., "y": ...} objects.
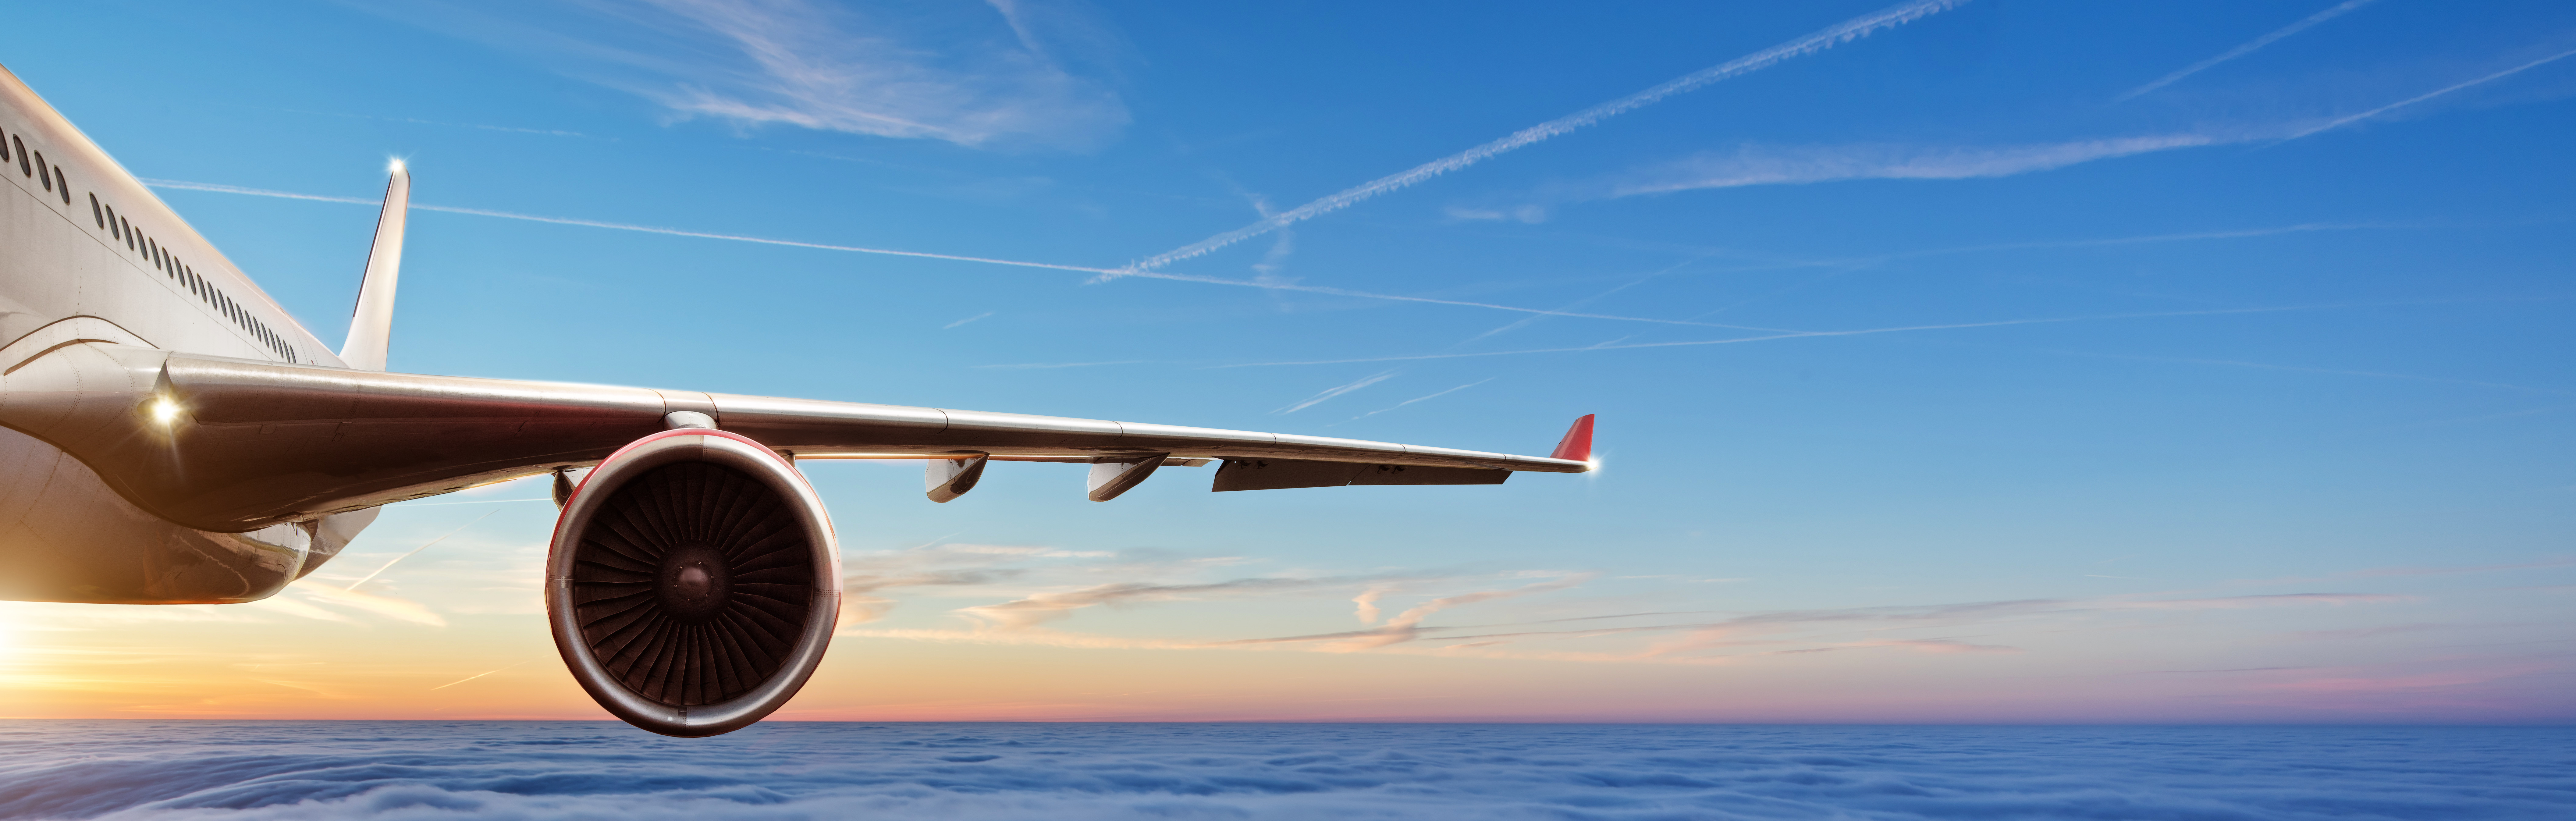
[
  {"x": 2247, "y": 48},
  {"x": 1789, "y": 335},
  {"x": 416, "y": 551},
  {"x": 2413, "y": 100},
  {"x": 258, "y": 192},
  {"x": 1336, "y": 391},
  {"x": 1525, "y": 321},
  {"x": 471, "y": 678},
  {"x": 619, "y": 226},
  {"x": 1329, "y": 291},
  {"x": 1420, "y": 398},
  {"x": 1845, "y": 32}
]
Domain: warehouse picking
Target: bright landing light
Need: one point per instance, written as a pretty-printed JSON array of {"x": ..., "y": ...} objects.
[{"x": 165, "y": 411}]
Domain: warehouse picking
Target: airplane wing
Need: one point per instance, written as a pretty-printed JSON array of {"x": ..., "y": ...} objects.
[{"x": 232, "y": 445}]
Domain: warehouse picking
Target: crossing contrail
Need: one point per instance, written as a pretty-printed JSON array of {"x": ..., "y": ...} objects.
[
  {"x": 620, "y": 226},
  {"x": 184, "y": 185},
  {"x": 2341, "y": 122},
  {"x": 1844, "y": 32},
  {"x": 2247, "y": 48}
]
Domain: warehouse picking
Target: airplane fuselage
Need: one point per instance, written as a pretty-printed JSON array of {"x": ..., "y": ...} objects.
[{"x": 87, "y": 253}]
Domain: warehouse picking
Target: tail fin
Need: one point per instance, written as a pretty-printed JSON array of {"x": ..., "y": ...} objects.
[
  {"x": 371, "y": 328},
  {"x": 1577, "y": 444}
]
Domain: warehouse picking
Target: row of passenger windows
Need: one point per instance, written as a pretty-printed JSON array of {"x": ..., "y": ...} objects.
[{"x": 32, "y": 164}]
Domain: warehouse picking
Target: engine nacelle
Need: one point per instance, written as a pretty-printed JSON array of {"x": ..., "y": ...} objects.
[{"x": 694, "y": 582}]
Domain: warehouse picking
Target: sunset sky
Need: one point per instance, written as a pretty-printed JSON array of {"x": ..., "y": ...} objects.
[{"x": 1974, "y": 362}]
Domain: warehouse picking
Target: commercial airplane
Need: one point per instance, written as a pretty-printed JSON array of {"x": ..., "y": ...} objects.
[{"x": 169, "y": 435}]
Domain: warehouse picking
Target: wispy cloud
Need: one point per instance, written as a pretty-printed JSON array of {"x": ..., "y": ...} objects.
[
  {"x": 1844, "y": 32},
  {"x": 1757, "y": 165},
  {"x": 860, "y": 603},
  {"x": 2244, "y": 602},
  {"x": 966, "y": 320},
  {"x": 941, "y": 564},
  {"x": 2249, "y": 47},
  {"x": 1337, "y": 390},
  {"x": 831, "y": 68},
  {"x": 1750, "y": 165},
  {"x": 1526, "y": 214},
  {"x": 1407, "y": 626},
  {"x": 1780, "y": 336},
  {"x": 1917, "y": 645},
  {"x": 1366, "y": 602},
  {"x": 1037, "y": 609},
  {"x": 984, "y": 75},
  {"x": 1024, "y": 366}
]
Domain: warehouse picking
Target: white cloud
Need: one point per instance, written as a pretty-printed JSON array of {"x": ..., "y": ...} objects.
[
  {"x": 977, "y": 75},
  {"x": 1528, "y": 214},
  {"x": 1763, "y": 165}
]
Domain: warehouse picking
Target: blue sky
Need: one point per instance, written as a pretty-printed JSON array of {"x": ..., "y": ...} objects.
[{"x": 2005, "y": 303}]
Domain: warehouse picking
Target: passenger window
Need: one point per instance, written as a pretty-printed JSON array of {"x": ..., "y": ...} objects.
[
  {"x": 4, "y": 150},
  {"x": 22, "y": 156},
  {"x": 64, "y": 184},
  {"x": 48, "y": 179},
  {"x": 96, "y": 214}
]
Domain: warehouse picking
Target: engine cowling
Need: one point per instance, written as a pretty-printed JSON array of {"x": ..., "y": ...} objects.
[{"x": 693, "y": 583}]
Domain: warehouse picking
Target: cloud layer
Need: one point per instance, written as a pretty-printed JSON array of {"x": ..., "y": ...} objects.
[{"x": 971, "y": 772}]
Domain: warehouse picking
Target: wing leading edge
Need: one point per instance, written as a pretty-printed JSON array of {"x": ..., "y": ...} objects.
[{"x": 233, "y": 445}]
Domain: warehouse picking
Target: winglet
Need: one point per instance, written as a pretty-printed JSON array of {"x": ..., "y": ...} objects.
[
  {"x": 371, "y": 326},
  {"x": 1577, "y": 444}
]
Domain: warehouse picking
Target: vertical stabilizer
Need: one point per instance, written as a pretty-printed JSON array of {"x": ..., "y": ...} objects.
[{"x": 372, "y": 326}]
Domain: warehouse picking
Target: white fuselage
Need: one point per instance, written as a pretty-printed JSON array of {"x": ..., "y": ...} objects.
[{"x": 87, "y": 253}]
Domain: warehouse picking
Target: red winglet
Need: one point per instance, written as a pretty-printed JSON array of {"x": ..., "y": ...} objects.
[{"x": 1577, "y": 444}]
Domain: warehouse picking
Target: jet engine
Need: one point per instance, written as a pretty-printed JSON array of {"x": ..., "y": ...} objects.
[{"x": 694, "y": 581}]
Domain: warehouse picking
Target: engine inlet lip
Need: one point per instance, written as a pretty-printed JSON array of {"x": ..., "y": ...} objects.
[{"x": 822, "y": 614}]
